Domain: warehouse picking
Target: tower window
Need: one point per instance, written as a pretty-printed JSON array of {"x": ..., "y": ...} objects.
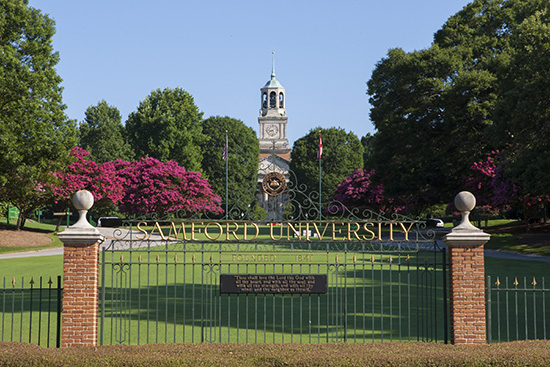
[
  {"x": 281, "y": 100},
  {"x": 272, "y": 100},
  {"x": 264, "y": 100}
]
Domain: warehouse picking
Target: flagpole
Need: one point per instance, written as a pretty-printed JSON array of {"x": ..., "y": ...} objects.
[
  {"x": 226, "y": 177},
  {"x": 319, "y": 156}
]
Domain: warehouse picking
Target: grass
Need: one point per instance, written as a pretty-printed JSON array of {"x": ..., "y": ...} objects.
[
  {"x": 44, "y": 226},
  {"x": 28, "y": 267},
  {"x": 513, "y": 243}
]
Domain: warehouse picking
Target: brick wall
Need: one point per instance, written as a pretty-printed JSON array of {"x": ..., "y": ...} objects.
[
  {"x": 467, "y": 294},
  {"x": 80, "y": 295}
]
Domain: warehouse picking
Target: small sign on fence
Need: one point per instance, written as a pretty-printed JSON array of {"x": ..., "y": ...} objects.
[{"x": 273, "y": 283}]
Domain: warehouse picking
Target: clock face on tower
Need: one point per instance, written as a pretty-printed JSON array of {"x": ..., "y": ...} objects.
[{"x": 271, "y": 130}]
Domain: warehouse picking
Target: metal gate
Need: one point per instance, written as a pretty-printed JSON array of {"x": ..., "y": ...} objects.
[
  {"x": 299, "y": 273},
  {"x": 164, "y": 290}
]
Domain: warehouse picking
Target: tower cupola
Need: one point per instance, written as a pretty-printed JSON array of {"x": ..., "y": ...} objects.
[
  {"x": 273, "y": 96},
  {"x": 272, "y": 119}
]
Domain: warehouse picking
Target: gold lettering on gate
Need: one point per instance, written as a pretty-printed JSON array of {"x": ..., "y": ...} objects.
[{"x": 281, "y": 231}]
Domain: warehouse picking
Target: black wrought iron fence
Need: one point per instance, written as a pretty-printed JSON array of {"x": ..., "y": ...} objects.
[
  {"x": 30, "y": 311},
  {"x": 517, "y": 309},
  {"x": 173, "y": 293}
]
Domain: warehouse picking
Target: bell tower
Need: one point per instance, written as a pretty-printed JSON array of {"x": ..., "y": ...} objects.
[
  {"x": 272, "y": 119},
  {"x": 273, "y": 167}
]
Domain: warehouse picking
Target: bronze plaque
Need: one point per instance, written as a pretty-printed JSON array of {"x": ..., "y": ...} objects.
[
  {"x": 274, "y": 183},
  {"x": 274, "y": 283}
]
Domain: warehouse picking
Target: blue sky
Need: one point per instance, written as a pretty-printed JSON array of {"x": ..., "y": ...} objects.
[{"x": 220, "y": 52}]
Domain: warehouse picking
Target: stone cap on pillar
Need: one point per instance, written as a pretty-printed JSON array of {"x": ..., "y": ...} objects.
[
  {"x": 466, "y": 234},
  {"x": 82, "y": 232}
]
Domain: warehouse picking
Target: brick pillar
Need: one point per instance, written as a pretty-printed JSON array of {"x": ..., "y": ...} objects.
[
  {"x": 80, "y": 277},
  {"x": 467, "y": 276}
]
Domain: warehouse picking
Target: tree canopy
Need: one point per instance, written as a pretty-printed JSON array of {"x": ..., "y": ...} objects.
[
  {"x": 152, "y": 186},
  {"x": 102, "y": 134},
  {"x": 35, "y": 133},
  {"x": 439, "y": 110},
  {"x": 342, "y": 154},
  {"x": 522, "y": 122},
  {"x": 138, "y": 187},
  {"x": 242, "y": 155},
  {"x": 358, "y": 193},
  {"x": 166, "y": 126}
]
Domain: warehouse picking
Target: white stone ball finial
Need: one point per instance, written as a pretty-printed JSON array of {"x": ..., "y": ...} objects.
[
  {"x": 83, "y": 201},
  {"x": 465, "y": 202}
]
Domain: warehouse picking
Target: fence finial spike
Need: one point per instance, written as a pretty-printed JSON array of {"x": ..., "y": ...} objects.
[
  {"x": 534, "y": 283},
  {"x": 497, "y": 283},
  {"x": 516, "y": 283},
  {"x": 13, "y": 280}
]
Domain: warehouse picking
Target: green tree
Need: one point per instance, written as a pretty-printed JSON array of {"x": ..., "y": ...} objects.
[
  {"x": 366, "y": 141},
  {"x": 436, "y": 110},
  {"x": 428, "y": 130},
  {"x": 243, "y": 152},
  {"x": 166, "y": 126},
  {"x": 342, "y": 154},
  {"x": 102, "y": 134},
  {"x": 35, "y": 134},
  {"x": 523, "y": 112}
]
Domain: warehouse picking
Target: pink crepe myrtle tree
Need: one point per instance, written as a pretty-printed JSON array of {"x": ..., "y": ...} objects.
[
  {"x": 102, "y": 180},
  {"x": 152, "y": 186},
  {"x": 136, "y": 187},
  {"x": 359, "y": 192},
  {"x": 495, "y": 192}
]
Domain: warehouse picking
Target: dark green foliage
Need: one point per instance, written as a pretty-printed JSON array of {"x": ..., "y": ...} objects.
[
  {"x": 102, "y": 134},
  {"x": 342, "y": 154},
  {"x": 35, "y": 134},
  {"x": 523, "y": 116},
  {"x": 429, "y": 133},
  {"x": 166, "y": 126},
  {"x": 243, "y": 153},
  {"x": 368, "y": 151},
  {"x": 481, "y": 86}
]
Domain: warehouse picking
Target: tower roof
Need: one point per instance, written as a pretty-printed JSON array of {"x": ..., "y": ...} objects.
[{"x": 273, "y": 82}]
